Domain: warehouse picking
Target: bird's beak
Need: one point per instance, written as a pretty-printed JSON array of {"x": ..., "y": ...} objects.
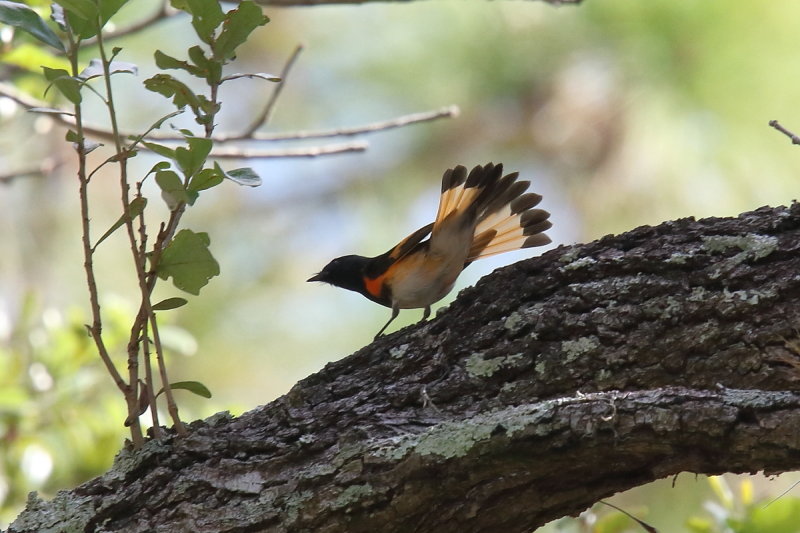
[{"x": 315, "y": 277}]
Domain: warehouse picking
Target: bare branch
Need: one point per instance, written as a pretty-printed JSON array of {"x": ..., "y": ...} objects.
[
  {"x": 795, "y": 139},
  {"x": 311, "y": 151},
  {"x": 266, "y": 114},
  {"x": 451, "y": 111},
  {"x": 405, "y": 120}
]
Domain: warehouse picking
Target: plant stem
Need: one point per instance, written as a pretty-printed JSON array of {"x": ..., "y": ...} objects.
[
  {"x": 96, "y": 329},
  {"x": 139, "y": 330}
]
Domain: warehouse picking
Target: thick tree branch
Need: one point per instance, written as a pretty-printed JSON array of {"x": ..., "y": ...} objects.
[{"x": 552, "y": 383}]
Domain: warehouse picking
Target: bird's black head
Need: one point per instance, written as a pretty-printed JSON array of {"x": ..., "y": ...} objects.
[{"x": 346, "y": 272}]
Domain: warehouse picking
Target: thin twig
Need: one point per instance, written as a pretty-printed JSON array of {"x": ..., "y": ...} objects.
[
  {"x": 148, "y": 367},
  {"x": 404, "y": 120},
  {"x": 647, "y": 527},
  {"x": 784, "y": 493},
  {"x": 451, "y": 111},
  {"x": 311, "y": 151},
  {"x": 794, "y": 138},
  {"x": 132, "y": 396},
  {"x": 266, "y": 114},
  {"x": 162, "y": 368}
]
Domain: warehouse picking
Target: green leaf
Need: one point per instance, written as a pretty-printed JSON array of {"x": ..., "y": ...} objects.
[
  {"x": 170, "y": 303},
  {"x": 207, "y": 15},
  {"x": 242, "y": 176},
  {"x": 160, "y": 149},
  {"x": 95, "y": 69},
  {"x": 83, "y": 14},
  {"x": 168, "y": 86},
  {"x": 192, "y": 386},
  {"x": 172, "y": 190},
  {"x": 205, "y": 179},
  {"x": 209, "y": 69},
  {"x": 22, "y": 17},
  {"x": 66, "y": 85},
  {"x": 86, "y": 9},
  {"x": 72, "y": 137},
  {"x": 135, "y": 208},
  {"x": 239, "y": 23},
  {"x": 192, "y": 159},
  {"x": 164, "y": 61},
  {"x": 188, "y": 261}
]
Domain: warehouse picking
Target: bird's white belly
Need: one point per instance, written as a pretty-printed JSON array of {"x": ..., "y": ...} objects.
[{"x": 424, "y": 282}]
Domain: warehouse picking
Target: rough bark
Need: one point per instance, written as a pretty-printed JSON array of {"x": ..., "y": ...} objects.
[{"x": 552, "y": 383}]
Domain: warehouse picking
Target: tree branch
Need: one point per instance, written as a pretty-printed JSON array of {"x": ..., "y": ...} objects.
[
  {"x": 67, "y": 119},
  {"x": 681, "y": 337}
]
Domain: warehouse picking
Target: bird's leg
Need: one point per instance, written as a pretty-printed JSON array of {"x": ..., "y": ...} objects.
[
  {"x": 395, "y": 312},
  {"x": 426, "y": 313}
]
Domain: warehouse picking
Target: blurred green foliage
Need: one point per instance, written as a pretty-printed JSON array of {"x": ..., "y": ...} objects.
[
  {"x": 59, "y": 412},
  {"x": 622, "y": 112}
]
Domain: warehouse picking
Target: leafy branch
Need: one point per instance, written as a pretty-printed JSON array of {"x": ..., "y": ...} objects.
[{"x": 189, "y": 165}]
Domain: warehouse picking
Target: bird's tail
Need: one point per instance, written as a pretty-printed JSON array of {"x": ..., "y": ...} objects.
[{"x": 498, "y": 207}]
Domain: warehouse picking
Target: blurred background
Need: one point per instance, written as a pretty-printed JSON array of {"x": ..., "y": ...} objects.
[{"x": 621, "y": 113}]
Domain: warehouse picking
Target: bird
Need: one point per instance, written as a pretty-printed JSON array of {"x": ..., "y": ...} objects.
[{"x": 481, "y": 213}]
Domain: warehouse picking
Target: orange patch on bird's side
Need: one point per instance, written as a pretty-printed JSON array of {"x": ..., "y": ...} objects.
[{"x": 374, "y": 286}]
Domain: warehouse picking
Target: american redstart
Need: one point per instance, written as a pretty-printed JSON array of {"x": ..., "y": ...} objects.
[{"x": 480, "y": 214}]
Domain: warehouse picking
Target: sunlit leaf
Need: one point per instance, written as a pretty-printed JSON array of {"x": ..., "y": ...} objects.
[
  {"x": 95, "y": 69},
  {"x": 89, "y": 146},
  {"x": 22, "y": 17},
  {"x": 169, "y": 303},
  {"x": 188, "y": 261},
  {"x": 243, "y": 176}
]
